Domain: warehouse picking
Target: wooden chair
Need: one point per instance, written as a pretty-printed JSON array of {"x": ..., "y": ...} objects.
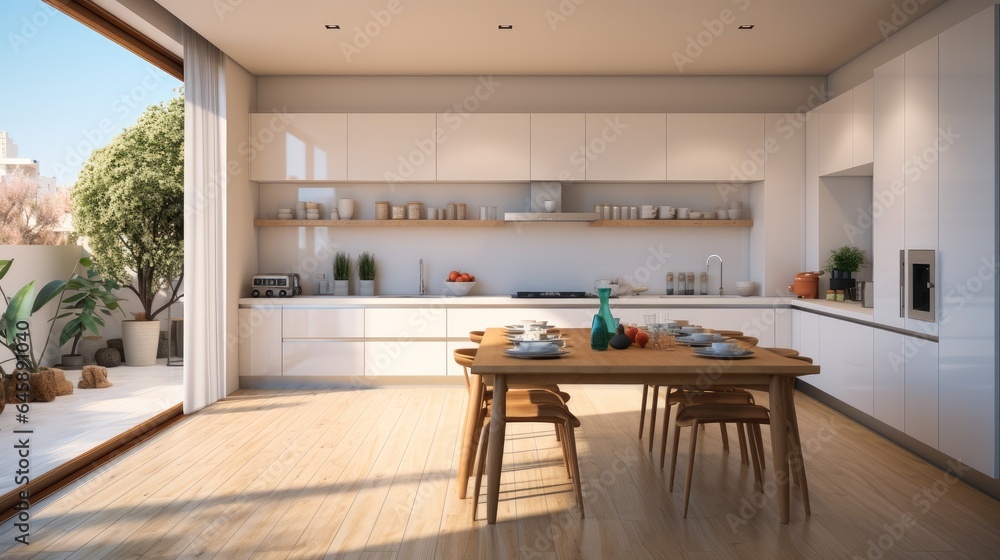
[
  {"x": 694, "y": 416},
  {"x": 718, "y": 397},
  {"x": 476, "y": 336},
  {"x": 477, "y": 408},
  {"x": 564, "y": 422},
  {"x": 786, "y": 352}
]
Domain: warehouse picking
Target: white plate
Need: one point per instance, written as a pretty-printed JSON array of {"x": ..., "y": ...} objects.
[
  {"x": 687, "y": 340},
  {"x": 513, "y": 353},
  {"x": 709, "y": 353}
]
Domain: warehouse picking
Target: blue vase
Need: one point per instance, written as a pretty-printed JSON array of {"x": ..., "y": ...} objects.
[{"x": 599, "y": 335}]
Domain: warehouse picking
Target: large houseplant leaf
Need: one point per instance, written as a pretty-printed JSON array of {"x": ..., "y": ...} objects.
[{"x": 19, "y": 309}]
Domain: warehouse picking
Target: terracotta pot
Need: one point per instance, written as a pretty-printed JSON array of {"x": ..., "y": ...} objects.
[{"x": 806, "y": 285}]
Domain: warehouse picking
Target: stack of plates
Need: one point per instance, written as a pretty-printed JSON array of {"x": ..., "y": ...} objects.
[{"x": 709, "y": 353}]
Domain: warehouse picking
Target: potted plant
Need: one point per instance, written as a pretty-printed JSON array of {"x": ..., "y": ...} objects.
[
  {"x": 15, "y": 335},
  {"x": 128, "y": 203},
  {"x": 366, "y": 272},
  {"x": 91, "y": 297},
  {"x": 842, "y": 263},
  {"x": 341, "y": 273}
]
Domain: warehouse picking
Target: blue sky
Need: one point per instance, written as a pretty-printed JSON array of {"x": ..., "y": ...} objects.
[{"x": 65, "y": 89}]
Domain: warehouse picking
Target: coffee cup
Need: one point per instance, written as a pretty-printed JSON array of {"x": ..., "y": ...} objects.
[
  {"x": 735, "y": 213},
  {"x": 725, "y": 347},
  {"x": 648, "y": 212},
  {"x": 550, "y": 205},
  {"x": 667, "y": 212},
  {"x": 682, "y": 213},
  {"x": 701, "y": 336}
]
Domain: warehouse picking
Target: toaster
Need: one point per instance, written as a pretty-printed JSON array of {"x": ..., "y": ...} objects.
[{"x": 275, "y": 285}]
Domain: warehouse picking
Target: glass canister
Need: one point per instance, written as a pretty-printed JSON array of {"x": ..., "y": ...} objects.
[
  {"x": 460, "y": 211},
  {"x": 413, "y": 210},
  {"x": 681, "y": 284},
  {"x": 398, "y": 212},
  {"x": 704, "y": 283},
  {"x": 670, "y": 283},
  {"x": 382, "y": 210},
  {"x": 452, "y": 211},
  {"x": 690, "y": 284}
]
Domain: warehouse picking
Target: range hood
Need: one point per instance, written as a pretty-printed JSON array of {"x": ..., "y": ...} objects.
[{"x": 542, "y": 191}]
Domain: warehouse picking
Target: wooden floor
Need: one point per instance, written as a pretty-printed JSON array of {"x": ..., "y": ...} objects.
[
  {"x": 369, "y": 474},
  {"x": 73, "y": 424}
]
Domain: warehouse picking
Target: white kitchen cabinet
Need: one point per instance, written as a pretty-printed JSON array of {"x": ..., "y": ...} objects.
[
  {"x": 862, "y": 123},
  {"x": 846, "y": 128},
  {"x": 483, "y": 147},
  {"x": 260, "y": 341},
  {"x": 405, "y": 323},
  {"x": 323, "y": 323},
  {"x": 626, "y": 147},
  {"x": 888, "y": 190},
  {"x": 921, "y": 389},
  {"x": 890, "y": 378},
  {"x": 320, "y": 357},
  {"x": 392, "y": 147},
  {"x": 557, "y": 146},
  {"x": 298, "y": 147},
  {"x": 846, "y": 357},
  {"x": 966, "y": 292},
  {"x": 405, "y": 357},
  {"x": 715, "y": 147},
  {"x": 836, "y": 128},
  {"x": 806, "y": 339}
]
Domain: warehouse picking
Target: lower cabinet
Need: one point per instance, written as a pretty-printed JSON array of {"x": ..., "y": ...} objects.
[
  {"x": 887, "y": 375},
  {"x": 846, "y": 355},
  {"x": 322, "y": 357},
  {"x": 260, "y": 341},
  {"x": 404, "y": 357}
]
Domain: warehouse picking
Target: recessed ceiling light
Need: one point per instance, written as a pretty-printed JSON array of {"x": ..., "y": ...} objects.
[
  {"x": 745, "y": 26},
  {"x": 505, "y": 27},
  {"x": 332, "y": 26}
]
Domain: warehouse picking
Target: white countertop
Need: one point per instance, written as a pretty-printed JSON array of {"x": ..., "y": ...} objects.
[
  {"x": 846, "y": 309},
  {"x": 507, "y": 301}
]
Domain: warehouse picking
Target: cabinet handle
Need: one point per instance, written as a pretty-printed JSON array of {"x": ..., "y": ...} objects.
[{"x": 902, "y": 283}]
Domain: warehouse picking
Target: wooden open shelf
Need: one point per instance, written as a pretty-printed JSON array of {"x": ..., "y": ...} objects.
[
  {"x": 378, "y": 223},
  {"x": 672, "y": 223}
]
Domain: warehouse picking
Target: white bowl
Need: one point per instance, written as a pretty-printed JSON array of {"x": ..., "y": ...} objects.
[
  {"x": 458, "y": 288},
  {"x": 725, "y": 347},
  {"x": 746, "y": 288}
]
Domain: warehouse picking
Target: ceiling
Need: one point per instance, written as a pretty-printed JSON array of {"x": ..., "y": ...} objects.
[{"x": 549, "y": 37}]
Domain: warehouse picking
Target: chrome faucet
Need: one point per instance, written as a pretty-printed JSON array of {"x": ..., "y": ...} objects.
[
  {"x": 422, "y": 289},
  {"x": 708, "y": 262}
]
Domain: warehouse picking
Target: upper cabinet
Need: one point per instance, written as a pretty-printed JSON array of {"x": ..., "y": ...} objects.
[
  {"x": 845, "y": 130},
  {"x": 298, "y": 147},
  {"x": 626, "y": 147},
  {"x": 715, "y": 147},
  {"x": 483, "y": 146},
  {"x": 920, "y": 146},
  {"x": 557, "y": 146},
  {"x": 392, "y": 147}
]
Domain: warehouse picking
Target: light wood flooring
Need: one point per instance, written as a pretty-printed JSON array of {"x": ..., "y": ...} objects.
[
  {"x": 73, "y": 424},
  {"x": 369, "y": 474}
]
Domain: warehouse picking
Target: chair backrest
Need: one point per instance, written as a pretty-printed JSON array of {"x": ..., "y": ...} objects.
[
  {"x": 806, "y": 359},
  {"x": 476, "y": 336},
  {"x": 728, "y": 333},
  {"x": 464, "y": 357}
]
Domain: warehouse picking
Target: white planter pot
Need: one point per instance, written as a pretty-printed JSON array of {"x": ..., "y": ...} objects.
[
  {"x": 367, "y": 288},
  {"x": 140, "y": 339},
  {"x": 340, "y": 287}
]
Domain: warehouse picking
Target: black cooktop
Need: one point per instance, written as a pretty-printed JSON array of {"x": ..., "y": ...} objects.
[{"x": 553, "y": 295}]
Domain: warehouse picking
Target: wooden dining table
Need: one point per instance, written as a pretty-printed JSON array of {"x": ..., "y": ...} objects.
[{"x": 680, "y": 368}]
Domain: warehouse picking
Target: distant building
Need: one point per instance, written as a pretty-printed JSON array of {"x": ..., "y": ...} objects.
[{"x": 11, "y": 164}]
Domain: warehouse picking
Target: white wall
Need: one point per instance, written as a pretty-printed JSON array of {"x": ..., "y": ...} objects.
[
  {"x": 241, "y": 208},
  {"x": 510, "y": 94},
  {"x": 933, "y": 23}
]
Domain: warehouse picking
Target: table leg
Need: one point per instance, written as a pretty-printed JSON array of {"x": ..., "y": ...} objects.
[
  {"x": 797, "y": 460},
  {"x": 494, "y": 459},
  {"x": 779, "y": 440},
  {"x": 468, "y": 450}
]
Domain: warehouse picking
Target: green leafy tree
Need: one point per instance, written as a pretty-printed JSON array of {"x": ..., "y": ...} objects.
[{"x": 129, "y": 203}]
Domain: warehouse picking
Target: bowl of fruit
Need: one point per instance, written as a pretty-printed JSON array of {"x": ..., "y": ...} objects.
[{"x": 459, "y": 283}]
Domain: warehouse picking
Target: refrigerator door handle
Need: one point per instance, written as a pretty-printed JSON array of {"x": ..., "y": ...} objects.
[{"x": 902, "y": 283}]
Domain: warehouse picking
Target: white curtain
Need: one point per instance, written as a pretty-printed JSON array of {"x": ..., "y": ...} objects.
[{"x": 204, "y": 222}]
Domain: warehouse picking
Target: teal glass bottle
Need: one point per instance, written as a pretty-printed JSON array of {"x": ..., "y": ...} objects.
[
  {"x": 605, "y": 310},
  {"x": 599, "y": 336},
  {"x": 603, "y": 326}
]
